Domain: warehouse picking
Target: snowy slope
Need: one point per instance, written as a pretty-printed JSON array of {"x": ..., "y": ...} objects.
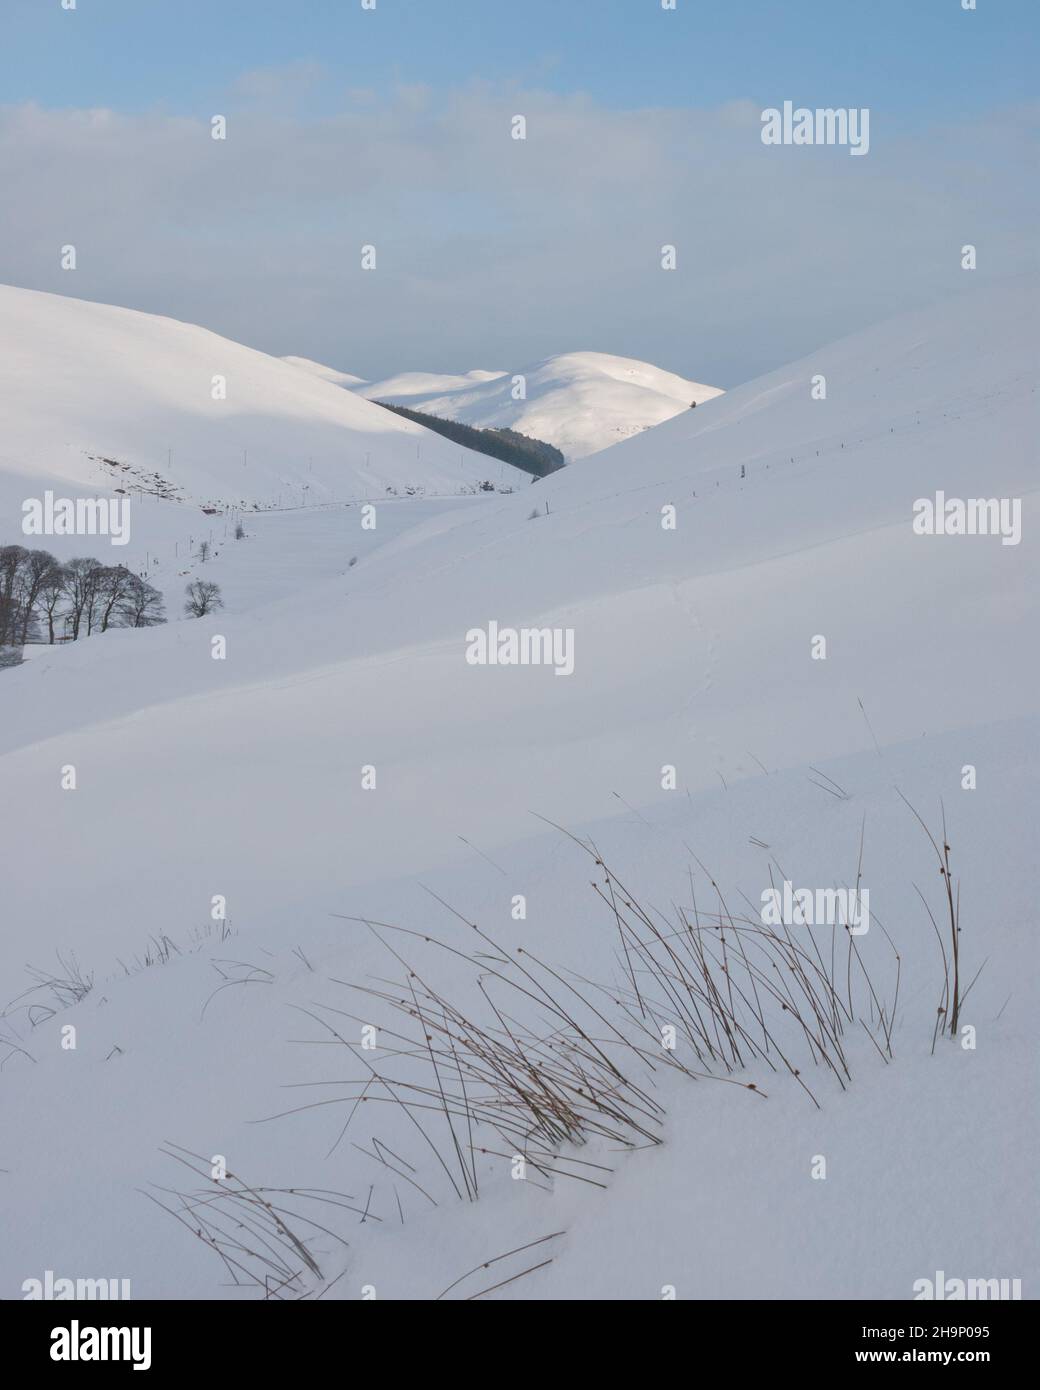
[
  {"x": 83, "y": 382},
  {"x": 243, "y": 778},
  {"x": 579, "y": 401},
  {"x": 326, "y": 373}
]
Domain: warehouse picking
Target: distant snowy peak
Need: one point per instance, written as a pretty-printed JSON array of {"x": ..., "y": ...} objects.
[{"x": 581, "y": 402}]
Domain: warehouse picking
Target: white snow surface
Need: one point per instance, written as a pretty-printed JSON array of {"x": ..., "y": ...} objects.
[
  {"x": 242, "y": 777},
  {"x": 581, "y": 402}
]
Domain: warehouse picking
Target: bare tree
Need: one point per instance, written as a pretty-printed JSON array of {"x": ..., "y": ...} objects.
[
  {"x": 203, "y": 597},
  {"x": 12, "y": 560},
  {"x": 113, "y": 587},
  {"x": 82, "y": 592},
  {"x": 142, "y": 606},
  {"x": 35, "y": 568},
  {"x": 204, "y": 551},
  {"x": 52, "y": 591}
]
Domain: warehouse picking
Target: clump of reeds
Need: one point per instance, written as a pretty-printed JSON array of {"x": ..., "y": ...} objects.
[
  {"x": 67, "y": 985},
  {"x": 523, "y": 1061},
  {"x": 951, "y": 999},
  {"x": 256, "y": 1232}
]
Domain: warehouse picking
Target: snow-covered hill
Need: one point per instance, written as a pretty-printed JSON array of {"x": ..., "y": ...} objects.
[
  {"x": 346, "y": 760},
  {"x": 179, "y": 411},
  {"x": 579, "y": 401}
]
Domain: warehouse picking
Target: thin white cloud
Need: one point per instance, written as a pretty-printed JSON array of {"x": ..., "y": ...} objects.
[{"x": 496, "y": 249}]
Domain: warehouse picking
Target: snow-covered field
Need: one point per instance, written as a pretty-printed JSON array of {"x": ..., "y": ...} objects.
[
  {"x": 582, "y": 402},
  {"x": 695, "y": 647}
]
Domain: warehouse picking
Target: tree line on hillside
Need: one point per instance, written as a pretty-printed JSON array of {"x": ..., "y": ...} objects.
[
  {"x": 534, "y": 456},
  {"x": 39, "y": 594}
]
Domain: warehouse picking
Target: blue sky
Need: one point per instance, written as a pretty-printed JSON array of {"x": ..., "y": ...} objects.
[
  {"x": 347, "y": 126},
  {"x": 908, "y": 55}
]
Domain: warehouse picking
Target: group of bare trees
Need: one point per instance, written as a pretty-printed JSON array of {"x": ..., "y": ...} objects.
[{"x": 73, "y": 599}]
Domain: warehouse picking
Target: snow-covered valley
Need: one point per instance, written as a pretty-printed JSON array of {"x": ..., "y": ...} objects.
[{"x": 336, "y": 757}]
